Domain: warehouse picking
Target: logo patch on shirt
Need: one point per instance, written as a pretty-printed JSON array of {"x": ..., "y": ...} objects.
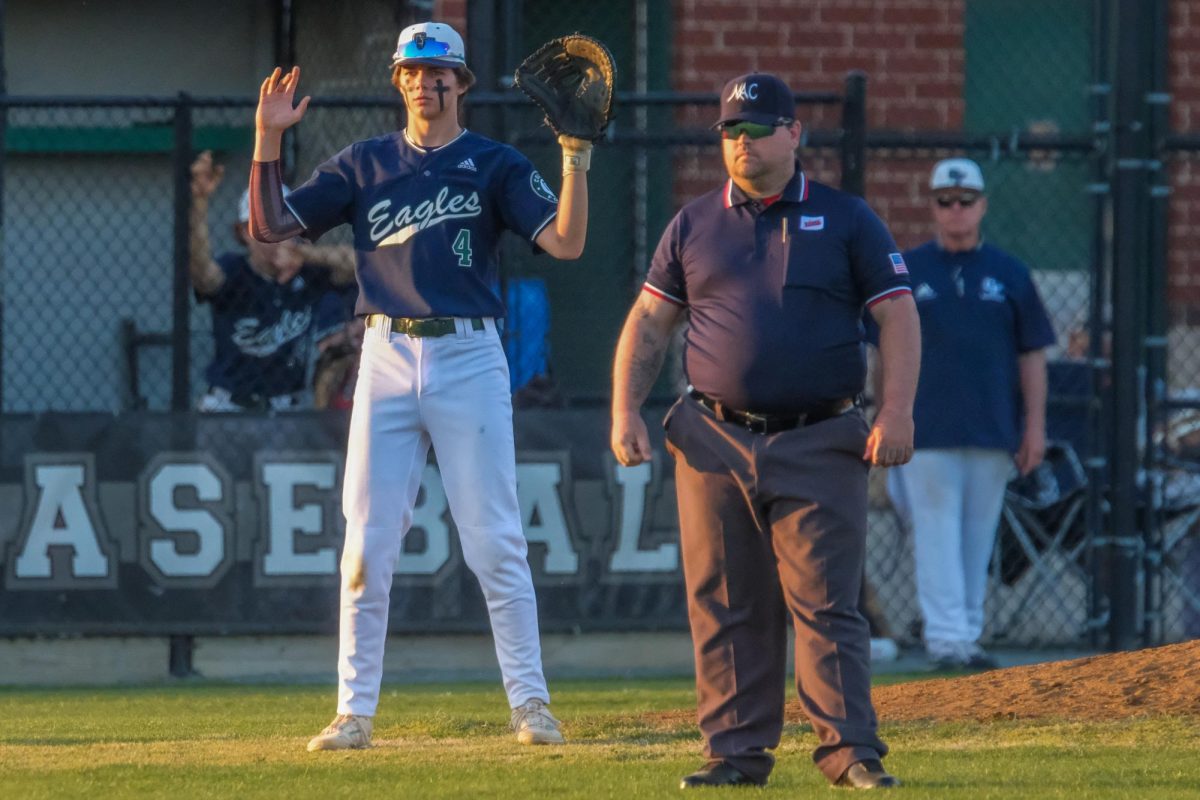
[
  {"x": 467, "y": 163},
  {"x": 898, "y": 265},
  {"x": 541, "y": 188},
  {"x": 812, "y": 223},
  {"x": 924, "y": 292},
  {"x": 991, "y": 289}
]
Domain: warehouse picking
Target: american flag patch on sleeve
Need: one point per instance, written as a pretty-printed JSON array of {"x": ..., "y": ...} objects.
[{"x": 898, "y": 265}]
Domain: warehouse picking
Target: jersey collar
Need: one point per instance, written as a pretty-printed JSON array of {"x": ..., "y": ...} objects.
[
  {"x": 421, "y": 149},
  {"x": 796, "y": 190}
]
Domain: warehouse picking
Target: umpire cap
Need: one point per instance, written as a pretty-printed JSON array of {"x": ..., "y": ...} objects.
[
  {"x": 758, "y": 97},
  {"x": 434, "y": 43}
]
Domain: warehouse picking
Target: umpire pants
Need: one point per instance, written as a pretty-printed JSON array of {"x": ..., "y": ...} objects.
[{"x": 770, "y": 526}]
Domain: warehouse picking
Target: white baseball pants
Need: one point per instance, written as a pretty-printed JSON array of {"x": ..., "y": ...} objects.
[
  {"x": 452, "y": 392},
  {"x": 952, "y": 499}
]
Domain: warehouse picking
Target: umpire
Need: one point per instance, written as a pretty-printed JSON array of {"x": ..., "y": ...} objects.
[{"x": 772, "y": 271}]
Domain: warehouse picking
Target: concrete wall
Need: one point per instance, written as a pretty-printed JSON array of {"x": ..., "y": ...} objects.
[{"x": 136, "y": 47}]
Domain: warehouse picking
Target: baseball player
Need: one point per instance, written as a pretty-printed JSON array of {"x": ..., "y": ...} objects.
[
  {"x": 427, "y": 205},
  {"x": 980, "y": 410},
  {"x": 263, "y": 303}
]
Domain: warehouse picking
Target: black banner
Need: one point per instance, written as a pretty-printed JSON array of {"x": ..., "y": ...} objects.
[{"x": 145, "y": 523}]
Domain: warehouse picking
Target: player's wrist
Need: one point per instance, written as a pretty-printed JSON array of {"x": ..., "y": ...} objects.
[{"x": 576, "y": 153}]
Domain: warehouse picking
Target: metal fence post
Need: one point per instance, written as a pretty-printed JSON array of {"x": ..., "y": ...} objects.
[
  {"x": 854, "y": 133},
  {"x": 3, "y": 164},
  {"x": 1155, "y": 340},
  {"x": 1099, "y": 362},
  {"x": 181, "y": 290},
  {"x": 1130, "y": 249}
]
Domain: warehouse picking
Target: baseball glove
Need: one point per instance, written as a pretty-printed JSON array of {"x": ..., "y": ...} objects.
[
  {"x": 571, "y": 79},
  {"x": 331, "y": 372}
]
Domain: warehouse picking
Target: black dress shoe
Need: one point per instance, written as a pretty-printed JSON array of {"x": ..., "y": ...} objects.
[
  {"x": 718, "y": 773},
  {"x": 867, "y": 774}
]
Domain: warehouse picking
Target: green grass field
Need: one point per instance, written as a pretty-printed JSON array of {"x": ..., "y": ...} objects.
[{"x": 451, "y": 741}]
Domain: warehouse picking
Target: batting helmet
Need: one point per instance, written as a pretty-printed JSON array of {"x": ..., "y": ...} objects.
[{"x": 433, "y": 43}]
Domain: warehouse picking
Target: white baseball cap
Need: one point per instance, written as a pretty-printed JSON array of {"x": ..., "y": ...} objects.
[
  {"x": 433, "y": 43},
  {"x": 244, "y": 205},
  {"x": 956, "y": 173}
]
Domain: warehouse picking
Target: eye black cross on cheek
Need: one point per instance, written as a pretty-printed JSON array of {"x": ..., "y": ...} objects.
[{"x": 441, "y": 89}]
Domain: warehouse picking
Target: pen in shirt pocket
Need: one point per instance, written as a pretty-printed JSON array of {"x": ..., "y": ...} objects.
[{"x": 784, "y": 239}]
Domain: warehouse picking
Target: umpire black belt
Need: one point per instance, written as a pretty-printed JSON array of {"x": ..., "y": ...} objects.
[
  {"x": 421, "y": 327},
  {"x": 771, "y": 423}
]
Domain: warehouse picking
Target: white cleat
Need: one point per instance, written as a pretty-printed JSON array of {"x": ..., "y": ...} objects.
[
  {"x": 346, "y": 732},
  {"x": 534, "y": 724}
]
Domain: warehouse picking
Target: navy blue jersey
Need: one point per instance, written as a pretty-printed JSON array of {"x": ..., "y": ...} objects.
[
  {"x": 261, "y": 328},
  {"x": 776, "y": 294},
  {"x": 979, "y": 311},
  {"x": 427, "y": 222}
]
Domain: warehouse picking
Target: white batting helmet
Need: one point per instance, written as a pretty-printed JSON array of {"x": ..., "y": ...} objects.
[{"x": 433, "y": 43}]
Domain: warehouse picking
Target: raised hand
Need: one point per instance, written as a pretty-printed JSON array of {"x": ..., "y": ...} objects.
[
  {"x": 206, "y": 176},
  {"x": 277, "y": 110}
]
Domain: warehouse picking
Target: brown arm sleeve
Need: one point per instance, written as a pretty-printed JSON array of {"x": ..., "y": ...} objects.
[{"x": 270, "y": 219}]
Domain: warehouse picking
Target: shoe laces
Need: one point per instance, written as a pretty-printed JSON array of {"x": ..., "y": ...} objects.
[
  {"x": 534, "y": 714},
  {"x": 340, "y": 723}
]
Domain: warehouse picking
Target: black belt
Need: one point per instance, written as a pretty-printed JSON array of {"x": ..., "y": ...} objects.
[
  {"x": 771, "y": 423},
  {"x": 422, "y": 327}
]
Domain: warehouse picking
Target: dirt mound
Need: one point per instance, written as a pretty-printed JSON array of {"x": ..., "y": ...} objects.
[{"x": 1140, "y": 683}]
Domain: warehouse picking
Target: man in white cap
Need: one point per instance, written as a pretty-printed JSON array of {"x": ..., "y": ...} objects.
[
  {"x": 427, "y": 205},
  {"x": 980, "y": 408}
]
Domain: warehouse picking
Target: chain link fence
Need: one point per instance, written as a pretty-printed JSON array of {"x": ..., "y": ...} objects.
[
  {"x": 1173, "y": 590},
  {"x": 118, "y": 263},
  {"x": 99, "y": 316},
  {"x": 1041, "y": 211},
  {"x": 103, "y": 188}
]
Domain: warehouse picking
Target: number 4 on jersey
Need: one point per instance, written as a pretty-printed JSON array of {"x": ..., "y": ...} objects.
[{"x": 462, "y": 247}]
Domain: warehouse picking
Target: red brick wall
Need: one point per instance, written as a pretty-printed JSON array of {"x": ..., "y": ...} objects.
[
  {"x": 1183, "y": 236},
  {"x": 911, "y": 51},
  {"x": 453, "y": 13}
]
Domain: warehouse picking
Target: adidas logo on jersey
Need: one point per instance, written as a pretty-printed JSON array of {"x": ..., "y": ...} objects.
[{"x": 467, "y": 163}]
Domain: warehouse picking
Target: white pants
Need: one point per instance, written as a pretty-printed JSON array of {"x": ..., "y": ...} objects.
[
  {"x": 952, "y": 500},
  {"x": 452, "y": 392}
]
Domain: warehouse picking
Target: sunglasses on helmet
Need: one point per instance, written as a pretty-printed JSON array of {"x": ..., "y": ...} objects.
[
  {"x": 427, "y": 48},
  {"x": 966, "y": 200},
  {"x": 753, "y": 130}
]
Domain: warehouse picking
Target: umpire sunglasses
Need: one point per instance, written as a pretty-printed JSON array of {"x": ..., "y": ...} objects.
[
  {"x": 753, "y": 130},
  {"x": 966, "y": 199}
]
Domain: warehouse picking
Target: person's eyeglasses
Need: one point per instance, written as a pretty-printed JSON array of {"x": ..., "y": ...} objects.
[
  {"x": 753, "y": 130},
  {"x": 964, "y": 200}
]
